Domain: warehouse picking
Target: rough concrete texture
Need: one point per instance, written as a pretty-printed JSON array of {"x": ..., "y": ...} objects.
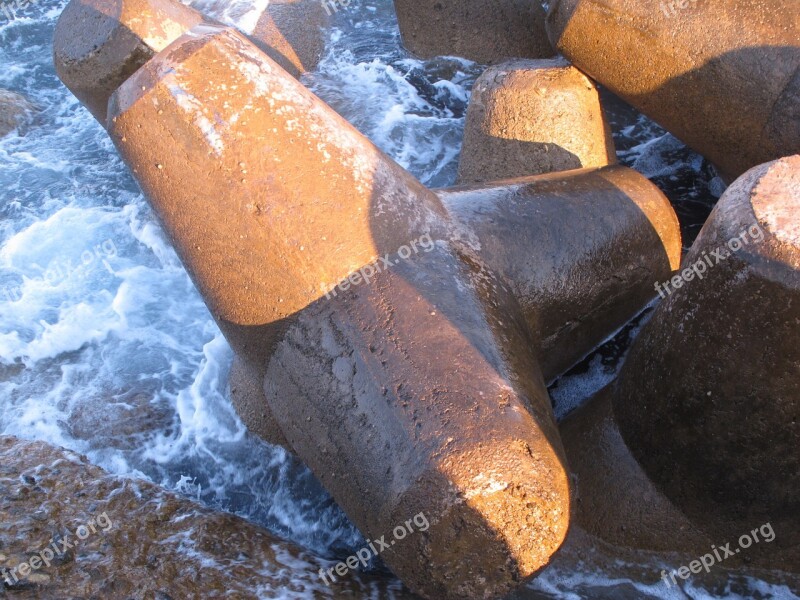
[
  {"x": 146, "y": 543},
  {"x": 614, "y": 498},
  {"x": 527, "y": 117},
  {"x": 723, "y": 76},
  {"x": 707, "y": 399},
  {"x": 15, "y": 111},
  {"x": 116, "y": 38},
  {"x": 356, "y": 382},
  {"x": 467, "y": 440},
  {"x": 475, "y": 29},
  {"x": 579, "y": 250},
  {"x": 246, "y": 383},
  {"x": 293, "y": 33}
]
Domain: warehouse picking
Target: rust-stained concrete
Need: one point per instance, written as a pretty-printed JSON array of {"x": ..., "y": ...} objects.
[
  {"x": 721, "y": 75},
  {"x": 527, "y": 117},
  {"x": 707, "y": 400}
]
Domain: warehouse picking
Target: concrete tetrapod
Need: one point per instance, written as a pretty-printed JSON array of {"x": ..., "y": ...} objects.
[
  {"x": 589, "y": 301},
  {"x": 707, "y": 400},
  {"x": 723, "y": 76},
  {"x": 474, "y": 29},
  {"x": 533, "y": 116},
  {"x": 291, "y": 32},
  {"x": 234, "y": 153}
]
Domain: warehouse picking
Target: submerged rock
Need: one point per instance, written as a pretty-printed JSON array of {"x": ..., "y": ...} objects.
[
  {"x": 527, "y": 117},
  {"x": 15, "y": 111}
]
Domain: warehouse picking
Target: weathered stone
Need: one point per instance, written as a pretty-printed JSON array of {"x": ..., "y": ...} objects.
[
  {"x": 475, "y": 29},
  {"x": 355, "y": 379},
  {"x": 15, "y": 110},
  {"x": 722, "y": 76},
  {"x": 527, "y": 117},
  {"x": 145, "y": 542},
  {"x": 579, "y": 250},
  {"x": 707, "y": 399}
]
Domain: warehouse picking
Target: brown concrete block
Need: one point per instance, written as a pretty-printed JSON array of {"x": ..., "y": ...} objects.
[
  {"x": 707, "y": 399},
  {"x": 536, "y": 233},
  {"x": 579, "y": 250},
  {"x": 615, "y": 500},
  {"x": 723, "y": 76},
  {"x": 290, "y": 32},
  {"x": 475, "y": 29},
  {"x": 527, "y": 117}
]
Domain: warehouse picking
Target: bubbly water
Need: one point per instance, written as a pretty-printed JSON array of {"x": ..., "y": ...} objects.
[{"x": 106, "y": 347}]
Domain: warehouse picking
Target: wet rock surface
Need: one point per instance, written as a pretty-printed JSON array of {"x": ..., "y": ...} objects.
[{"x": 145, "y": 542}]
